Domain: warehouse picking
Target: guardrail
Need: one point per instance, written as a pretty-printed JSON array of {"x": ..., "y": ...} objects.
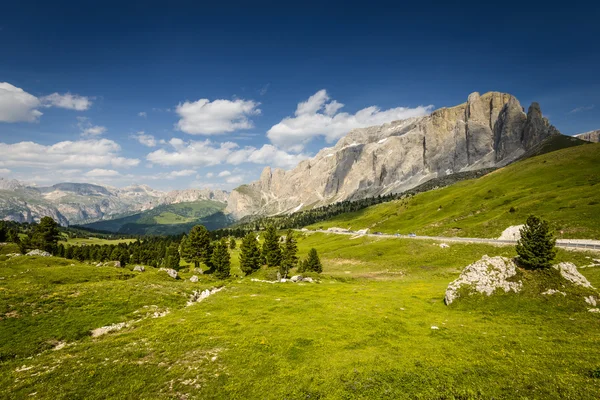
[{"x": 560, "y": 243}]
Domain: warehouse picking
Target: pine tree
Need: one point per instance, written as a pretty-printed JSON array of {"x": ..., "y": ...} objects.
[
  {"x": 198, "y": 247},
  {"x": 289, "y": 256},
  {"x": 536, "y": 246},
  {"x": 249, "y": 254},
  {"x": 313, "y": 263},
  {"x": 221, "y": 260},
  {"x": 232, "y": 243},
  {"x": 45, "y": 235},
  {"x": 270, "y": 249},
  {"x": 172, "y": 256},
  {"x": 3, "y": 234}
]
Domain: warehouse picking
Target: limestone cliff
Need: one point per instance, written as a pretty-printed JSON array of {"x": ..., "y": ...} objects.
[
  {"x": 593, "y": 136},
  {"x": 488, "y": 130}
]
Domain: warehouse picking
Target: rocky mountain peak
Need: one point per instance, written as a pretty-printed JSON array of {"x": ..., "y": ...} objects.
[{"x": 487, "y": 130}]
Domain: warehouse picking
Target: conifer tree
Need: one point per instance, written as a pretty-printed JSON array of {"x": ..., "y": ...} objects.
[
  {"x": 45, "y": 235},
  {"x": 172, "y": 256},
  {"x": 249, "y": 254},
  {"x": 289, "y": 254},
  {"x": 270, "y": 249},
  {"x": 313, "y": 263},
  {"x": 221, "y": 260},
  {"x": 536, "y": 246},
  {"x": 198, "y": 248},
  {"x": 232, "y": 243}
]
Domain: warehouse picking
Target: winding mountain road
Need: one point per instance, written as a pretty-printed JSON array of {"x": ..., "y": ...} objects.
[{"x": 564, "y": 243}]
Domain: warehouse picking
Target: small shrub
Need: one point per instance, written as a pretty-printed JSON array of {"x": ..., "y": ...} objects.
[
  {"x": 595, "y": 373},
  {"x": 512, "y": 210}
]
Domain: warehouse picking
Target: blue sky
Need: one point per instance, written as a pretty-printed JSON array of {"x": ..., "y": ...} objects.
[{"x": 204, "y": 95}]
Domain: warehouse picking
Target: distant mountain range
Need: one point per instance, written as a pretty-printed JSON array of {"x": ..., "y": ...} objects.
[
  {"x": 592, "y": 136},
  {"x": 82, "y": 203}
]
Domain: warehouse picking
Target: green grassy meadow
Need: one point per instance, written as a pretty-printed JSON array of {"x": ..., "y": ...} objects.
[
  {"x": 362, "y": 332},
  {"x": 561, "y": 186}
]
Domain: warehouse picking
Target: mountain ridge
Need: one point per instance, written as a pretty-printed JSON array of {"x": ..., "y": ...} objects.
[{"x": 490, "y": 130}]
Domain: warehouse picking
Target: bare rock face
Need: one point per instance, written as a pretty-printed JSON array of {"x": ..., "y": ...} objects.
[
  {"x": 488, "y": 130},
  {"x": 593, "y": 136}
]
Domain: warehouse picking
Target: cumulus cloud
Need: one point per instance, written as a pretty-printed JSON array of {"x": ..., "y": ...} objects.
[
  {"x": 142, "y": 114},
  {"x": 146, "y": 140},
  {"x": 102, "y": 173},
  {"x": 209, "y": 175},
  {"x": 67, "y": 100},
  {"x": 16, "y": 105},
  {"x": 224, "y": 173},
  {"x": 4, "y": 171},
  {"x": 204, "y": 117},
  {"x": 93, "y": 153},
  {"x": 207, "y": 153},
  {"x": 89, "y": 130},
  {"x": 320, "y": 116}
]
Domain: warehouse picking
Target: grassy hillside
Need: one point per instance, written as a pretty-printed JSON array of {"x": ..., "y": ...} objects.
[
  {"x": 562, "y": 186},
  {"x": 168, "y": 219},
  {"x": 363, "y": 332}
]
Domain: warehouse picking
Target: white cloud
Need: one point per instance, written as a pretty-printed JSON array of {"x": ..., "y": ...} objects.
[
  {"x": 89, "y": 153},
  {"x": 102, "y": 173},
  {"x": 146, "y": 140},
  {"x": 236, "y": 179},
  {"x": 183, "y": 172},
  {"x": 207, "y": 153},
  {"x": 16, "y": 105},
  {"x": 204, "y": 117},
  {"x": 4, "y": 171},
  {"x": 89, "y": 130},
  {"x": 582, "y": 109},
  {"x": 67, "y": 100},
  {"x": 142, "y": 114},
  {"x": 224, "y": 173},
  {"x": 208, "y": 175},
  {"x": 318, "y": 116}
]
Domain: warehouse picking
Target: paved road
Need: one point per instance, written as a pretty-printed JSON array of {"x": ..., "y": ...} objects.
[{"x": 594, "y": 245}]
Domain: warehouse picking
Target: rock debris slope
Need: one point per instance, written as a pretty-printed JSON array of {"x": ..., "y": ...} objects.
[{"x": 488, "y": 130}]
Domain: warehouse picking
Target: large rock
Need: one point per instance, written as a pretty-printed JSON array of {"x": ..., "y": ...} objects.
[
  {"x": 569, "y": 272},
  {"x": 485, "y": 276},
  {"x": 171, "y": 272},
  {"x": 139, "y": 268},
  {"x": 39, "y": 253},
  {"x": 487, "y": 131}
]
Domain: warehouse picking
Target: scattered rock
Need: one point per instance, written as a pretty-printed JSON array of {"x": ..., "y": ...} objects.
[
  {"x": 10, "y": 255},
  {"x": 594, "y": 310},
  {"x": 109, "y": 328},
  {"x": 591, "y": 300},
  {"x": 194, "y": 279},
  {"x": 99, "y": 264},
  {"x": 159, "y": 314},
  {"x": 171, "y": 272},
  {"x": 444, "y": 245},
  {"x": 262, "y": 280},
  {"x": 570, "y": 273},
  {"x": 198, "y": 296},
  {"x": 552, "y": 291},
  {"x": 117, "y": 264},
  {"x": 511, "y": 233},
  {"x": 485, "y": 276},
  {"x": 435, "y": 328},
  {"x": 139, "y": 268},
  {"x": 296, "y": 278},
  {"x": 307, "y": 279},
  {"x": 39, "y": 253}
]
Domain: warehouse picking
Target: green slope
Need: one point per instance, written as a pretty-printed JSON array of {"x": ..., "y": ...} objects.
[
  {"x": 562, "y": 186},
  {"x": 168, "y": 219}
]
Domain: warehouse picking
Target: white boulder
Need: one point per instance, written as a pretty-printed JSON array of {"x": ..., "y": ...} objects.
[
  {"x": 39, "y": 253},
  {"x": 570, "y": 273},
  {"x": 139, "y": 268},
  {"x": 511, "y": 233},
  {"x": 485, "y": 276},
  {"x": 194, "y": 278}
]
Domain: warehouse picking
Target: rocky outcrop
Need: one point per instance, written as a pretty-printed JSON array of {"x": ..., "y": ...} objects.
[
  {"x": 592, "y": 136},
  {"x": 485, "y": 276},
  {"x": 488, "y": 130}
]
